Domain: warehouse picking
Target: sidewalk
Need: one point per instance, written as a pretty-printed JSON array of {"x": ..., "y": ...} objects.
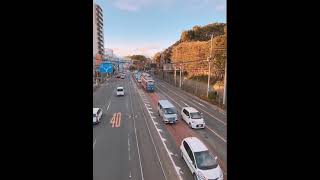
[
  {"x": 96, "y": 86},
  {"x": 213, "y": 106}
]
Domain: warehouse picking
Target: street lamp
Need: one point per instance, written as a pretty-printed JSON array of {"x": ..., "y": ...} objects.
[{"x": 209, "y": 64}]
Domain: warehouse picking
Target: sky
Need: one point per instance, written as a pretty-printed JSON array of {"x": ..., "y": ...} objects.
[{"x": 149, "y": 26}]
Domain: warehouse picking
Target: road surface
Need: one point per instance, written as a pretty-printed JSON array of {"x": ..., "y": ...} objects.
[{"x": 132, "y": 142}]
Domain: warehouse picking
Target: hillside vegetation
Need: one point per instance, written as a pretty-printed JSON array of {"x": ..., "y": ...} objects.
[{"x": 195, "y": 45}]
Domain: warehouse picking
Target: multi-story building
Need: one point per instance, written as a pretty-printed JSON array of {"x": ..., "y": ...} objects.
[
  {"x": 99, "y": 29},
  {"x": 95, "y": 49},
  {"x": 98, "y": 44}
]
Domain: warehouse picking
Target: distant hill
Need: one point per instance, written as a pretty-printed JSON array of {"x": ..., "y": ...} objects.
[
  {"x": 195, "y": 45},
  {"x": 198, "y": 33}
]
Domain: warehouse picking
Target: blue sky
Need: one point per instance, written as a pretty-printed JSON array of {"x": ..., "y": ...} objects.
[{"x": 149, "y": 26}]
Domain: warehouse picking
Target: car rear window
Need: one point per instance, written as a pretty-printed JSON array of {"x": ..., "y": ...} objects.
[{"x": 120, "y": 89}]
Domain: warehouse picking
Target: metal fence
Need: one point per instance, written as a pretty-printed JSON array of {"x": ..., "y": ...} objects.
[{"x": 194, "y": 87}]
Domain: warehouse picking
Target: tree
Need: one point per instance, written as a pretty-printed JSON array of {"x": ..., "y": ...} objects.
[
  {"x": 187, "y": 35},
  {"x": 138, "y": 57},
  {"x": 157, "y": 57},
  {"x": 132, "y": 68}
]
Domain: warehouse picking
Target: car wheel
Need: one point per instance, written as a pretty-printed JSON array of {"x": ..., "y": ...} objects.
[
  {"x": 195, "y": 176},
  {"x": 190, "y": 125}
]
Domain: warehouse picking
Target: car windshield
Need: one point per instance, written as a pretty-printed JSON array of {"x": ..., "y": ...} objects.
[
  {"x": 205, "y": 160},
  {"x": 170, "y": 111},
  {"x": 120, "y": 89},
  {"x": 196, "y": 115}
]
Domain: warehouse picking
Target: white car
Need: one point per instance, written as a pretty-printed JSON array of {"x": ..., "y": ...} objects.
[
  {"x": 192, "y": 117},
  {"x": 202, "y": 164},
  {"x": 120, "y": 91},
  {"x": 97, "y": 113}
]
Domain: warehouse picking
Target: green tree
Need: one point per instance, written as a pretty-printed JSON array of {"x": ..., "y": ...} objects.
[{"x": 138, "y": 57}]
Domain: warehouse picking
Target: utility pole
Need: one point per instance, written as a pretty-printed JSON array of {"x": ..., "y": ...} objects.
[
  {"x": 175, "y": 75},
  {"x": 180, "y": 76},
  {"x": 225, "y": 85},
  {"x": 209, "y": 64},
  {"x": 208, "y": 88}
]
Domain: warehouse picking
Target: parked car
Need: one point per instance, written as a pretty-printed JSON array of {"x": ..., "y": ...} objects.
[
  {"x": 120, "y": 91},
  {"x": 97, "y": 114},
  {"x": 123, "y": 76},
  {"x": 167, "y": 111},
  {"x": 202, "y": 163},
  {"x": 192, "y": 117}
]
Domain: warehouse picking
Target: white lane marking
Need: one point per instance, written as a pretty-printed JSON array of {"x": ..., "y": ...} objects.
[
  {"x": 145, "y": 119},
  {"x": 216, "y": 134},
  {"x": 177, "y": 168},
  {"x": 170, "y": 97},
  {"x": 135, "y": 132},
  {"x": 186, "y": 94},
  {"x": 199, "y": 103},
  {"x": 109, "y": 104},
  {"x": 206, "y": 125},
  {"x": 185, "y": 104},
  {"x": 129, "y": 147},
  {"x": 198, "y": 107},
  {"x": 94, "y": 143},
  {"x": 130, "y": 175}
]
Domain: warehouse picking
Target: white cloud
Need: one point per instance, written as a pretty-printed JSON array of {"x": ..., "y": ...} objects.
[
  {"x": 136, "y": 5},
  {"x": 148, "y": 50},
  {"x": 220, "y": 7},
  {"x": 126, "y": 6},
  {"x": 131, "y": 5}
]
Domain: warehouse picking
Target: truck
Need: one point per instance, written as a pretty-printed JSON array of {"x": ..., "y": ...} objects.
[{"x": 147, "y": 83}]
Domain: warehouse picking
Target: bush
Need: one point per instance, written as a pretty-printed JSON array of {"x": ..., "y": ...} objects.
[
  {"x": 132, "y": 68},
  {"x": 213, "y": 95}
]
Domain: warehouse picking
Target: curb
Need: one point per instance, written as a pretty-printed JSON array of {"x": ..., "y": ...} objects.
[{"x": 216, "y": 108}]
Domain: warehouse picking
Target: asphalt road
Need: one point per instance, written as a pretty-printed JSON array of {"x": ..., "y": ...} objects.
[
  {"x": 132, "y": 142},
  {"x": 215, "y": 133}
]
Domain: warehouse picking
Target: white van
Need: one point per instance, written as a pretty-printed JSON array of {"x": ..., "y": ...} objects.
[
  {"x": 120, "y": 91},
  {"x": 167, "y": 111},
  {"x": 192, "y": 117}
]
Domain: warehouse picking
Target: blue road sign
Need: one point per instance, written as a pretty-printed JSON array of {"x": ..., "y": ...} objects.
[{"x": 106, "y": 68}]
